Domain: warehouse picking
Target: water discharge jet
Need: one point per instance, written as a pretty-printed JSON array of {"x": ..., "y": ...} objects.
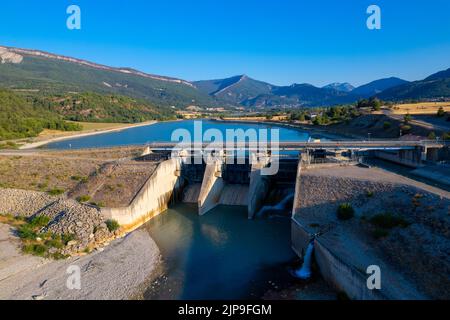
[
  {"x": 281, "y": 207},
  {"x": 305, "y": 272}
]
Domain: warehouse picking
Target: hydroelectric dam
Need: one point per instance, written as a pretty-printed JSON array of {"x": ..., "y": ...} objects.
[{"x": 208, "y": 176}]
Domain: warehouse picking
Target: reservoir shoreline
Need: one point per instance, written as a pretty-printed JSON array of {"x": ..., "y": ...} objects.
[{"x": 34, "y": 145}]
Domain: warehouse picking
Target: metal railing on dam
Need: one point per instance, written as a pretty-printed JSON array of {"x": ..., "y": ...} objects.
[{"x": 301, "y": 145}]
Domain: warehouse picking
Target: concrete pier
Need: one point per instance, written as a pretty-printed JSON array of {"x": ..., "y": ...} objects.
[
  {"x": 259, "y": 187},
  {"x": 211, "y": 189}
]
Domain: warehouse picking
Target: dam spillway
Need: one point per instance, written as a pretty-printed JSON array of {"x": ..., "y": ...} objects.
[
  {"x": 209, "y": 184},
  {"x": 239, "y": 183}
]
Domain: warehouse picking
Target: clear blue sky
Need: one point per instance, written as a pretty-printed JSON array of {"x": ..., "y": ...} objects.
[{"x": 279, "y": 41}]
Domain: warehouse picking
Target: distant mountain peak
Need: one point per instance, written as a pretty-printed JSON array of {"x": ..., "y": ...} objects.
[
  {"x": 439, "y": 75},
  {"x": 377, "y": 86},
  {"x": 340, "y": 86},
  {"x": 435, "y": 86},
  {"x": 235, "y": 89}
]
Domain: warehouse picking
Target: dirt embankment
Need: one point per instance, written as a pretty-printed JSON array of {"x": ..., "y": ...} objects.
[
  {"x": 105, "y": 177},
  {"x": 400, "y": 223},
  {"x": 120, "y": 271},
  {"x": 379, "y": 126},
  {"x": 63, "y": 217}
]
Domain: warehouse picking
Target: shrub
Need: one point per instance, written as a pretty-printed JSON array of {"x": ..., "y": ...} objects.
[
  {"x": 26, "y": 232},
  {"x": 446, "y": 136},
  {"x": 405, "y": 129},
  {"x": 432, "y": 136},
  {"x": 9, "y": 145},
  {"x": 35, "y": 249},
  {"x": 55, "y": 191},
  {"x": 441, "y": 112},
  {"x": 59, "y": 256},
  {"x": 345, "y": 211},
  {"x": 112, "y": 225},
  {"x": 43, "y": 185},
  {"x": 407, "y": 118},
  {"x": 66, "y": 238},
  {"x": 369, "y": 194},
  {"x": 84, "y": 179},
  {"x": 388, "y": 221},
  {"x": 75, "y": 178},
  {"x": 342, "y": 296},
  {"x": 39, "y": 221},
  {"x": 387, "y": 125},
  {"x": 97, "y": 204},
  {"x": 84, "y": 198},
  {"x": 379, "y": 233},
  {"x": 55, "y": 242}
]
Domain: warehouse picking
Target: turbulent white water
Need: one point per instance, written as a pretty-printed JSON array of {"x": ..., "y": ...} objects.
[
  {"x": 305, "y": 271},
  {"x": 279, "y": 208}
]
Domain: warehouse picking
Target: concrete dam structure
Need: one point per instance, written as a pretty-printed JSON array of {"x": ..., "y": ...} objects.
[
  {"x": 219, "y": 181},
  {"x": 241, "y": 183}
]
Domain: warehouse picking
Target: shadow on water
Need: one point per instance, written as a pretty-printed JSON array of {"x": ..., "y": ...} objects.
[{"x": 221, "y": 255}]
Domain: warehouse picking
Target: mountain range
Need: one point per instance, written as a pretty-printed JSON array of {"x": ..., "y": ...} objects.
[
  {"x": 344, "y": 87},
  {"x": 46, "y": 73}
]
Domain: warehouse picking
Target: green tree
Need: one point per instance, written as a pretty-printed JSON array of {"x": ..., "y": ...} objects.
[
  {"x": 407, "y": 118},
  {"x": 375, "y": 103},
  {"x": 432, "y": 136}
]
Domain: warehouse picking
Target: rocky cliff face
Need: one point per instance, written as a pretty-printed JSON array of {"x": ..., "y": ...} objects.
[{"x": 9, "y": 57}]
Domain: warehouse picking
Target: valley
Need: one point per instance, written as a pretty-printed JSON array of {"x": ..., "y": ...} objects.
[{"x": 88, "y": 177}]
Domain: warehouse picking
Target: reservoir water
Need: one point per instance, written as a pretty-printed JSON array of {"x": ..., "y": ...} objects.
[{"x": 162, "y": 131}]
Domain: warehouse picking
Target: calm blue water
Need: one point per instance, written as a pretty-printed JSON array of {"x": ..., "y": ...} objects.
[
  {"x": 221, "y": 255},
  {"x": 163, "y": 132}
]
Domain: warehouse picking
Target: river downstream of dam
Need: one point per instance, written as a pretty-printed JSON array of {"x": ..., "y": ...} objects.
[{"x": 223, "y": 255}]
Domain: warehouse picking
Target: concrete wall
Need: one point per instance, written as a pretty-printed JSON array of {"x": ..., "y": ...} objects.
[
  {"x": 410, "y": 158},
  {"x": 296, "y": 205},
  {"x": 343, "y": 276},
  {"x": 151, "y": 200},
  {"x": 211, "y": 189},
  {"x": 340, "y": 275},
  {"x": 339, "y": 270}
]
